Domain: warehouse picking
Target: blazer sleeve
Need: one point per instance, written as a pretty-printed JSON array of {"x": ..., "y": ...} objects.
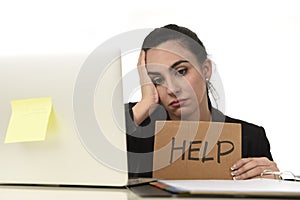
[
  {"x": 255, "y": 142},
  {"x": 264, "y": 145},
  {"x": 254, "y": 139},
  {"x": 139, "y": 145}
]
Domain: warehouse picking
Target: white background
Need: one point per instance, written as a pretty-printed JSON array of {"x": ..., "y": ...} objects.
[{"x": 254, "y": 43}]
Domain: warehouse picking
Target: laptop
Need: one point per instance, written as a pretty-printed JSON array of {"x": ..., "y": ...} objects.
[{"x": 85, "y": 142}]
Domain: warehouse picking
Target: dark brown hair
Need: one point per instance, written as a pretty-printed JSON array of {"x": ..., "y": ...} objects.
[{"x": 181, "y": 34}]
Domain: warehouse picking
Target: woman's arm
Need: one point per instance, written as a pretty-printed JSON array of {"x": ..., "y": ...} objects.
[
  {"x": 259, "y": 157},
  {"x": 150, "y": 98}
]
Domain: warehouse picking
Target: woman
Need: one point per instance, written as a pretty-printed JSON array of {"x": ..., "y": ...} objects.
[{"x": 174, "y": 72}]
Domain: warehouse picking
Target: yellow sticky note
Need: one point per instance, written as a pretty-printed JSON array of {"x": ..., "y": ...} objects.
[{"x": 29, "y": 120}]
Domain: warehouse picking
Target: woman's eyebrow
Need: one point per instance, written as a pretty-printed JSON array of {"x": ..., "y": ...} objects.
[
  {"x": 171, "y": 67},
  {"x": 177, "y": 63},
  {"x": 153, "y": 73}
]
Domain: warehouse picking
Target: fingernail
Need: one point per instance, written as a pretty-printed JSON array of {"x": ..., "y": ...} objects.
[
  {"x": 236, "y": 178},
  {"x": 234, "y": 173},
  {"x": 233, "y": 167}
]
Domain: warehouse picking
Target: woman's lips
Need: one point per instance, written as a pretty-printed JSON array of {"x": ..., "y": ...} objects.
[{"x": 178, "y": 103}]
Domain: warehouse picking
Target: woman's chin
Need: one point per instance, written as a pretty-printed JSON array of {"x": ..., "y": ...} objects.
[{"x": 185, "y": 114}]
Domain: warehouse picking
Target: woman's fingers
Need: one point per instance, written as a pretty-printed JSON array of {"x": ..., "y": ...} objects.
[
  {"x": 149, "y": 92},
  {"x": 143, "y": 73},
  {"x": 247, "y": 168},
  {"x": 141, "y": 60}
]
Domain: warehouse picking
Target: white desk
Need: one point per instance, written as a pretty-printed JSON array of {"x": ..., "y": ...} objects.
[{"x": 72, "y": 193}]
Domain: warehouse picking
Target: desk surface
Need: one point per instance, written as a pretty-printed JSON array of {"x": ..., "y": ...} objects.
[{"x": 75, "y": 193}]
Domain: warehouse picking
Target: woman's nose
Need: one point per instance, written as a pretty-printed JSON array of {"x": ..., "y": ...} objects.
[{"x": 173, "y": 87}]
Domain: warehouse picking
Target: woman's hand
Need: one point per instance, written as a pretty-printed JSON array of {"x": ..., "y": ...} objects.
[
  {"x": 248, "y": 168},
  {"x": 150, "y": 98}
]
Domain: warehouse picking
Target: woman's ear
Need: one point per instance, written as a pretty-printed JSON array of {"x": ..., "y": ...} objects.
[{"x": 207, "y": 69}]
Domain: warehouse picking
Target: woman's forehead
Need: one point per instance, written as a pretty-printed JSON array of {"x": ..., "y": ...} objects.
[{"x": 169, "y": 52}]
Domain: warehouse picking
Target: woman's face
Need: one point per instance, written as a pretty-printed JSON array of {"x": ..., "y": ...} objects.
[{"x": 179, "y": 80}]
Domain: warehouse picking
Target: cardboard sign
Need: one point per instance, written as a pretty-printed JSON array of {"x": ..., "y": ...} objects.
[{"x": 195, "y": 150}]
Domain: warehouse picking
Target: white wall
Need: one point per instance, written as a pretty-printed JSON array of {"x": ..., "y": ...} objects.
[{"x": 255, "y": 44}]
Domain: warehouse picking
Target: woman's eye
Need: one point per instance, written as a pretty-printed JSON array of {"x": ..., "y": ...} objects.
[
  {"x": 157, "y": 80},
  {"x": 181, "y": 72}
]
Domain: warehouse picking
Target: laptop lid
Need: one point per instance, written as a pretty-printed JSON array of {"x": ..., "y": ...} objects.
[{"x": 85, "y": 141}]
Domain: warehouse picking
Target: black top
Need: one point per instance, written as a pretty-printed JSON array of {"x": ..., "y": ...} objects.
[{"x": 140, "y": 139}]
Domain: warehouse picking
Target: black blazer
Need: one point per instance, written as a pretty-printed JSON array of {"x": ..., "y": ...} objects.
[{"x": 140, "y": 139}]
